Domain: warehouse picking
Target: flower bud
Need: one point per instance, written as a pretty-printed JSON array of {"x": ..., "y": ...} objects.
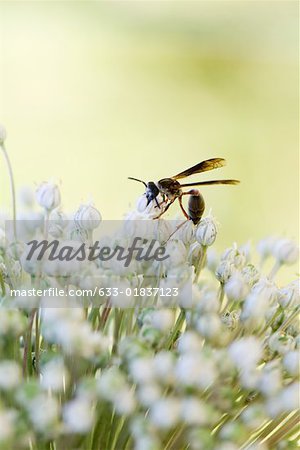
[
  {"x": 57, "y": 223},
  {"x": 224, "y": 271},
  {"x": 2, "y": 134},
  {"x": 289, "y": 296},
  {"x": 206, "y": 231},
  {"x": 251, "y": 274},
  {"x": 286, "y": 251},
  {"x": 234, "y": 255},
  {"x": 48, "y": 196},
  {"x": 281, "y": 343},
  {"x": 265, "y": 246},
  {"x": 87, "y": 217}
]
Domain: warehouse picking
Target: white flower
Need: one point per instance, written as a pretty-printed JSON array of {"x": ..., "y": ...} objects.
[
  {"x": 7, "y": 424},
  {"x": 286, "y": 251},
  {"x": 291, "y": 362},
  {"x": 236, "y": 288},
  {"x": 110, "y": 383},
  {"x": 271, "y": 379},
  {"x": 145, "y": 442},
  {"x": 151, "y": 209},
  {"x": 195, "y": 370},
  {"x": 12, "y": 321},
  {"x": 250, "y": 274},
  {"x": 87, "y": 217},
  {"x": 290, "y": 295},
  {"x": 44, "y": 412},
  {"x": 206, "y": 231},
  {"x": 235, "y": 256},
  {"x": 177, "y": 254},
  {"x": 281, "y": 343},
  {"x": 54, "y": 375},
  {"x": 163, "y": 319},
  {"x": 246, "y": 352},
  {"x": 149, "y": 393},
  {"x": 124, "y": 401},
  {"x": 10, "y": 374},
  {"x": 57, "y": 223},
  {"x": 165, "y": 413},
  {"x": 224, "y": 271},
  {"x": 78, "y": 415},
  {"x": 48, "y": 196},
  {"x": 186, "y": 232},
  {"x": 285, "y": 401},
  {"x": 208, "y": 302},
  {"x": 2, "y": 134},
  {"x": 142, "y": 370},
  {"x": 164, "y": 365},
  {"x": 142, "y": 203},
  {"x": 289, "y": 397},
  {"x": 189, "y": 342},
  {"x": 254, "y": 416},
  {"x": 265, "y": 246},
  {"x": 257, "y": 303},
  {"x": 209, "y": 325},
  {"x": 193, "y": 411}
]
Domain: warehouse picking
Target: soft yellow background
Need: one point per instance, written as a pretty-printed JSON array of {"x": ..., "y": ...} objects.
[{"x": 93, "y": 92}]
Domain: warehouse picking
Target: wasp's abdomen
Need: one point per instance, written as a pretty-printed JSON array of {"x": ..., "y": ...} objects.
[{"x": 196, "y": 206}]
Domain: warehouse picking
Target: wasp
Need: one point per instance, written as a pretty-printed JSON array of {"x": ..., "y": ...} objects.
[{"x": 171, "y": 189}]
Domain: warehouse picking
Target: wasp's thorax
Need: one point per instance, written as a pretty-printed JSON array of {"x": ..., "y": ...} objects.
[{"x": 171, "y": 188}]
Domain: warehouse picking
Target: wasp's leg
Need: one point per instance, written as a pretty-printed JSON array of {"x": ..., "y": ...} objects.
[
  {"x": 194, "y": 192},
  {"x": 175, "y": 231},
  {"x": 164, "y": 210},
  {"x": 157, "y": 204},
  {"x": 181, "y": 206}
]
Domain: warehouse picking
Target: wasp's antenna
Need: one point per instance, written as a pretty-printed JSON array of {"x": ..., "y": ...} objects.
[{"x": 136, "y": 179}]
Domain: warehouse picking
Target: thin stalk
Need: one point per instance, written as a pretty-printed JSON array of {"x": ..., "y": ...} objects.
[
  {"x": 289, "y": 320},
  {"x": 274, "y": 270},
  {"x": 12, "y": 189},
  {"x": 201, "y": 262},
  {"x": 37, "y": 343},
  {"x": 177, "y": 327},
  {"x": 27, "y": 345}
]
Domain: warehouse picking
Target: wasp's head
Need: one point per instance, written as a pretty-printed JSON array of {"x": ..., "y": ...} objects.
[{"x": 152, "y": 190}]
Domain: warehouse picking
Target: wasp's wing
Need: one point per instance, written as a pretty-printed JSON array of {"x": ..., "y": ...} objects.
[
  {"x": 204, "y": 183},
  {"x": 203, "y": 166}
]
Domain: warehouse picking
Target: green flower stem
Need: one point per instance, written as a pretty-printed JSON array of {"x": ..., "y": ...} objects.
[
  {"x": 274, "y": 270},
  {"x": 2, "y": 284},
  {"x": 123, "y": 435},
  {"x": 117, "y": 329},
  {"x": 12, "y": 188},
  {"x": 289, "y": 320},
  {"x": 174, "y": 440},
  {"x": 201, "y": 262},
  {"x": 37, "y": 342},
  {"x": 177, "y": 327},
  {"x": 27, "y": 346}
]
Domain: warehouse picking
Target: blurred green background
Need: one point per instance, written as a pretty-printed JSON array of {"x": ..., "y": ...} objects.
[{"x": 93, "y": 92}]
